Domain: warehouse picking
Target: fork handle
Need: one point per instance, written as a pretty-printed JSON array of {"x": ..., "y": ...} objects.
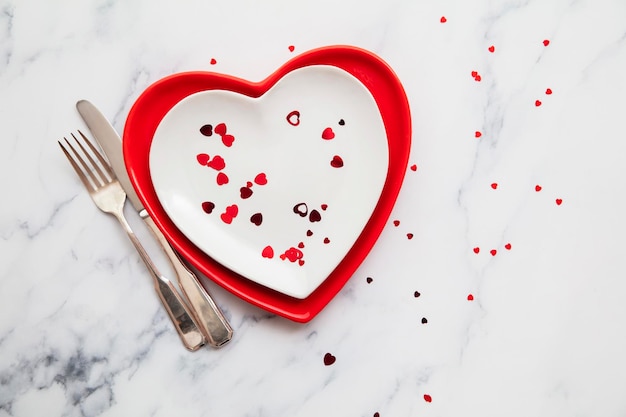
[
  {"x": 178, "y": 312},
  {"x": 210, "y": 319}
]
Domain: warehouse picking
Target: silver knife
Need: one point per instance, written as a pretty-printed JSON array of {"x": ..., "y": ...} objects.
[{"x": 212, "y": 322}]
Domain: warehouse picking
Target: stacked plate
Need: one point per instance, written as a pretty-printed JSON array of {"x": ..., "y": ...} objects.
[{"x": 276, "y": 190}]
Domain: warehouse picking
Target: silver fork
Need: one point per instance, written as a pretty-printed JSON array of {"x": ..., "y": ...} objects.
[{"x": 107, "y": 193}]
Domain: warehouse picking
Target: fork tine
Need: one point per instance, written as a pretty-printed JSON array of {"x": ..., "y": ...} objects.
[
  {"x": 79, "y": 172},
  {"x": 86, "y": 169},
  {"x": 98, "y": 154},
  {"x": 102, "y": 179}
]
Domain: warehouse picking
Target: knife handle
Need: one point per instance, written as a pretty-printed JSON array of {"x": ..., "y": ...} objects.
[
  {"x": 184, "y": 322},
  {"x": 211, "y": 321}
]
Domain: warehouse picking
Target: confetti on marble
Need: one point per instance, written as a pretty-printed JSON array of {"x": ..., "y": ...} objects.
[
  {"x": 508, "y": 246},
  {"x": 493, "y": 252},
  {"x": 443, "y": 19},
  {"x": 329, "y": 359},
  {"x": 470, "y": 297}
]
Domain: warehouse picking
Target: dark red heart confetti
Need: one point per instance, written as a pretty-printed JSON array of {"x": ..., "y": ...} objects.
[
  {"x": 369, "y": 280},
  {"x": 324, "y": 207},
  {"x": 301, "y": 245},
  {"x": 336, "y": 162},
  {"x": 326, "y": 240},
  {"x": 409, "y": 236},
  {"x": 309, "y": 233},
  {"x": 424, "y": 320},
  {"x": 315, "y": 216},
  {"x": 293, "y": 118},
  {"x": 245, "y": 192},
  {"x": 396, "y": 223},
  {"x": 342, "y": 122},
  {"x": 416, "y": 294},
  {"x": 206, "y": 130},
  {"x": 329, "y": 359},
  {"x": 301, "y": 209},
  {"x": 208, "y": 207},
  {"x": 257, "y": 219}
]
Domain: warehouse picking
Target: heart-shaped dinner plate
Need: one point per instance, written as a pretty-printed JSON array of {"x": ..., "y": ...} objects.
[{"x": 276, "y": 190}]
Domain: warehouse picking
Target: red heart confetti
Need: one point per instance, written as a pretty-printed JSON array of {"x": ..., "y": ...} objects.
[
  {"x": 548, "y": 91},
  {"x": 336, "y": 162},
  {"x": 301, "y": 245},
  {"x": 493, "y": 252},
  {"x": 546, "y": 42},
  {"x": 474, "y": 74},
  {"x": 443, "y": 19},
  {"x": 409, "y": 236},
  {"x": 329, "y": 359},
  {"x": 428, "y": 398},
  {"x": 268, "y": 252},
  {"x": 213, "y": 61},
  {"x": 217, "y": 163},
  {"x": 476, "y": 249},
  {"x": 291, "y": 48},
  {"x": 507, "y": 246},
  {"x": 396, "y": 223},
  {"x": 478, "y": 134},
  {"x": 261, "y": 178},
  {"x": 537, "y": 187},
  {"x": 222, "y": 178},
  {"x": 413, "y": 167},
  {"x": 228, "y": 140},
  {"x": 470, "y": 297},
  {"x": 220, "y": 129},
  {"x": 537, "y": 103},
  {"x": 324, "y": 207},
  {"x": 478, "y": 78},
  {"x": 492, "y": 49},
  {"x": 558, "y": 201},
  {"x": 494, "y": 185},
  {"x": 328, "y": 134},
  {"x": 230, "y": 213},
  {"x": 203, "y": 158}
]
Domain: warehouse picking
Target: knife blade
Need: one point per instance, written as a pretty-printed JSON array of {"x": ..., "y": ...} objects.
[{"x": 211, "y": 320}]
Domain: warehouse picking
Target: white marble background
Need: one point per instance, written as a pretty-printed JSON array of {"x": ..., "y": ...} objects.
[{"x": 81, "y": 332}]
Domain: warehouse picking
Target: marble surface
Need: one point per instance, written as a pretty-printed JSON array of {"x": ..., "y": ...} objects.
[{"x": 508, "y": 300}]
